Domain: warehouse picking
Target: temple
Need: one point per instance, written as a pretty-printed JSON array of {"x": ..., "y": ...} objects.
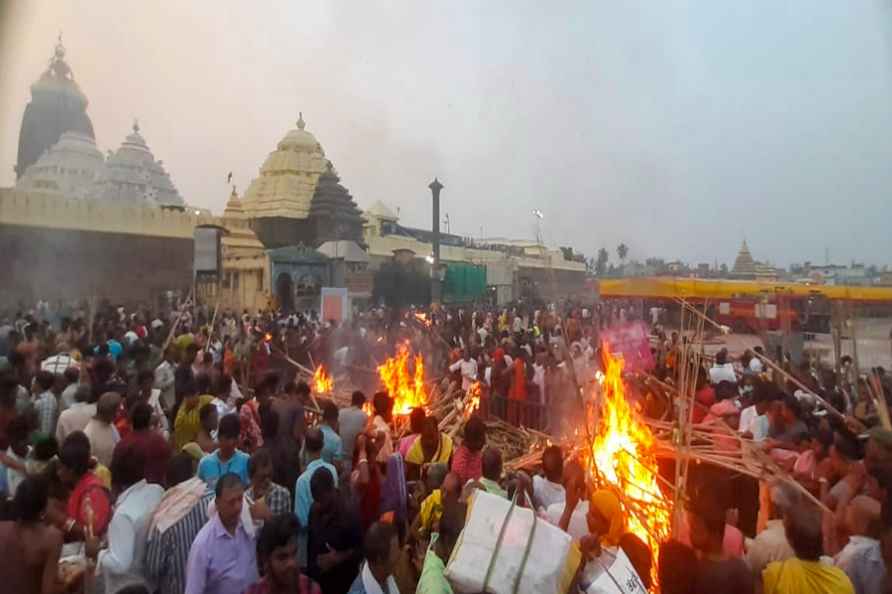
[
  {"x": 57, "y": 106},
  {"x": 132, "y": 175},
  {"x": 297, "y": 198},
  {"x": 70, "y": 167},
  {"x": 75, "y": 219},
  {"x": 333, "y": 212},
  {"x": 746, "y": 268}
]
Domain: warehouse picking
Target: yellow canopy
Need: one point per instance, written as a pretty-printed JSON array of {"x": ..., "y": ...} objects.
[{"x": 696, "y": 288}]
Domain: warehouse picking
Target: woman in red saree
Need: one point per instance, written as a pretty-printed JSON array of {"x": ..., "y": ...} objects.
[{"x": 88, "y": 509}]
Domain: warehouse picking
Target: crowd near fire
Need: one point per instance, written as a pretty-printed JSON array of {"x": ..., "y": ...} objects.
[
  {"x": 412, "y": 426},
  {"x": 306, "y": 395}
]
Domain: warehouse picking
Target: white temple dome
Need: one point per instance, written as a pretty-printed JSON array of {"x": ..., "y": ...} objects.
[
  {"x": 132, "y": 175},
  {"x": 70, "y": 167}
]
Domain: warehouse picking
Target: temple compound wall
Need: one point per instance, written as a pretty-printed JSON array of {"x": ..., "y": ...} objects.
[{"x": 57, "y": 248}]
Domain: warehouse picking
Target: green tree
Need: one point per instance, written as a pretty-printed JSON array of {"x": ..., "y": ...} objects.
[
  {"x": 601, "y": 262},
  {"x": 622, "y": 250}
]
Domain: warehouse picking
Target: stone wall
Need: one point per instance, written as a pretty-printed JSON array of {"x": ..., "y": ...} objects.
[
  {"x": 57, "y": 248},
  {"x": 47, "y": 210},
  {"x": 46, "y": 263}
]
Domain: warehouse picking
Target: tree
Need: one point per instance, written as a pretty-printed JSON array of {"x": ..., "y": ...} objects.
[
  {"x": 601, "y": 262},
  {"x": 622, "y": 250}
]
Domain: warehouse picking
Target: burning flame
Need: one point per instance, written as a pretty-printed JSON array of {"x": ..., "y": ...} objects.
[
  {"x": 472, "y": 400},
  {"x": 406, "y": 389},
  {"x": 623, "y": 457},
  {"x": 422, "y": 317},
  {"x": 323, "y": 383}
]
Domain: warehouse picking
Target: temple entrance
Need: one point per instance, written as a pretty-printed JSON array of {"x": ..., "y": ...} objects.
[
  {"x": 309, "y": 287},
  {"x": 285, "y": 292}
]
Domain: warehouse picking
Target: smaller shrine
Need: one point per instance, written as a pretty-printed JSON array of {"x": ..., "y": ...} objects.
[
  {"x": 299, "y": 273},
  {"x": 333, "y": 212},
  {"x": 132, "y": 175},
  {"x": 70, "y": 168}
]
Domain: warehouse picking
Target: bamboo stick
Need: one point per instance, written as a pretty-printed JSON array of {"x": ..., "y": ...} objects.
[
  {"x": 207, "y": 344},
  {"x": 176, "y": 323},
  {"x": 879, "y": 400}
]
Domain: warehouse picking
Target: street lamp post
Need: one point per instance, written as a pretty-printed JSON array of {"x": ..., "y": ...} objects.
[{"x": 435, "y": 187}]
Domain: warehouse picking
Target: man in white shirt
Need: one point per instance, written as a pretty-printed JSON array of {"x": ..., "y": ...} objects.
[
  {"x": 72, "y": 376},
  {"x": 549, "y": 489},
  {"x": 722, "y": 371},
  {"x": 382, "y": 550},
  {"x": 756, "y": 366},
  {"x": 121, "y": 563},
  {"x": 862, "y": 557},
  {"x": 165, "y": 379},
  {"x": 76, "y": 417},
  {"x": 517, "y": 325},
  {"x": 100, "y": 430},
  {"x": 468, "y": 367},
  {"x": 754, "y": 418}
]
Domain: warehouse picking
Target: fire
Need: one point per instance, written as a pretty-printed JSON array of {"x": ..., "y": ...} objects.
[
  {"x": 623, "y": 456},
  {"x": 323, "y": 383},
  {"x": 422, "y": 317},
  {"x": 407, "y": 389},
  {"x": 472, "y": 400}
]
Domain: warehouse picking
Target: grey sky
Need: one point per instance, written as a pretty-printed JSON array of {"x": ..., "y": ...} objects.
[{"x": 677, "y": 127}]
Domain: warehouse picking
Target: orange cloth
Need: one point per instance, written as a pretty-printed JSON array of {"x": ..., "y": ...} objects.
[{"x": 518, "y": 389}]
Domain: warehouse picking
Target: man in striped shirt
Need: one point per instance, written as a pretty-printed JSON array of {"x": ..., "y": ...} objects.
[{"x": 179, "y": 517}]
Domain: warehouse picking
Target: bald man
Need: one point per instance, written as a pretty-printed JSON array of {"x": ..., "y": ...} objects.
[
  {"x": 862, "y": 557},
  {"x": 101, "y": 430}
]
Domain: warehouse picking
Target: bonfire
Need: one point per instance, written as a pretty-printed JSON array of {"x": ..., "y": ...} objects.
[
  {"x": 405, "y": 386},
  {"x": 472, "y": 400},
  {"x": 323, "y": 383},
  {"x": 624, "y": 459}
]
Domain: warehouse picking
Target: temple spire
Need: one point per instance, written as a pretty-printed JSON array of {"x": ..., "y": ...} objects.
[{"x": 300, "y": 121}]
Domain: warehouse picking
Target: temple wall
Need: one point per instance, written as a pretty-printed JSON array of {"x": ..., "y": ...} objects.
[
  {"x": 57, "y": 248},
  {"x": 46, "y": 210},
  {"x": 67, "y": 264}
]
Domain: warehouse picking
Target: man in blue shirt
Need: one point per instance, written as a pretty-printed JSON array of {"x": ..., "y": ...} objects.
[
  {"x": 226, "y": 458},
  {"x": 303, "y": 497},
  {"x": 332, "y": 446}
]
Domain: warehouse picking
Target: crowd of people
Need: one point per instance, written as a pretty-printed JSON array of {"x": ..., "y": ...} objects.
[{"x": 179, "y": 451}]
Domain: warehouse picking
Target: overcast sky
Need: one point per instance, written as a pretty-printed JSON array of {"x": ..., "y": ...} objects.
[{"x": 677, "y": 127}]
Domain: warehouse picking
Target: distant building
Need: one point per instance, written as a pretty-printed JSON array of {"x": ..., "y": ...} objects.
[
  {"x": 746, "y": 268},
  {"x": 514, "y": 269}
]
